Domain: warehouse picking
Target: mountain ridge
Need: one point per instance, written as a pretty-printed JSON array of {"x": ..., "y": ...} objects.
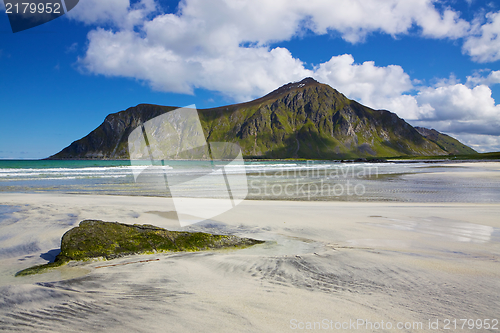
[
  {"x": 304, "y": 119},
  {"x": 444, "y": 141}
]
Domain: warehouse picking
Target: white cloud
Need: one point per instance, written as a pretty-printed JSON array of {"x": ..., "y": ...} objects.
[
  {"x": 201, "y": 45},
  {"x": 241, "y": 73},
  {"x": 458, "y": 102},
  {"x": 484, "y": 45},
  {"x": 223, "y": 22},
  {"x": 72, "y": 48},
  {"x": 377, "y": 87},
  {"x": 477, "y": 79},
  {"x": 263, "y": 21},
  {"x": 354, "y": 19},
  {"x": 100, "y": 12},
  {"x": 116, "y": 12},
  {"x": 364, "y": 82},
  {"x": 445, "y": 25},
  {"x": 126, "y": 54},
  {"x": 478, "y": 142}
]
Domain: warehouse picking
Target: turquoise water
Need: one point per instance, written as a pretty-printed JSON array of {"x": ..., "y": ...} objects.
[
  {"x": 52, "y": 164},
  {"x": 283, "y": 180}
]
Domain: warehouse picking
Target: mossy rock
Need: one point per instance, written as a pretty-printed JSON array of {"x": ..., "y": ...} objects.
[
  {"x": 109, "y": 240},
  {"x": 40, "y": 268}
]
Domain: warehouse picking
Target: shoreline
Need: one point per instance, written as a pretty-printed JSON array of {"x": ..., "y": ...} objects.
[
  {"x": 390, "y": 182},
  {"x": 395, "y": 159},
  {"x": 335, "y": 260}
]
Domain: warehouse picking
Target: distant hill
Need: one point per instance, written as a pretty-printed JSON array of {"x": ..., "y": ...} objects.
[
  {"x": 305, "y": 119},
  {"x": 446, "y": 142},
  {"x": 492, "y": 156}
]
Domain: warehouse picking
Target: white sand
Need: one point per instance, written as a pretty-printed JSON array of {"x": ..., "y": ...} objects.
[
  {"x": 337, "y": 261},
  {"x": 464, "y": 170}
]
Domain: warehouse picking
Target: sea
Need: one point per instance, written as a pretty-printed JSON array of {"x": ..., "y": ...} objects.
[{"x": 402, "y": 181}]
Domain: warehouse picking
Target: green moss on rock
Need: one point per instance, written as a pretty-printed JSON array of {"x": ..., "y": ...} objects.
[
  {"x": 98, "y": 239},
  {"x": 40, "y": 268}
]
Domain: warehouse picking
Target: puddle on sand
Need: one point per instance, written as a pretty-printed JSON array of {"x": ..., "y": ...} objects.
[
  {"x": 279, "y": 245},
  {"x": 275, "y": 244},
  {"x": 448, "y": 229}
]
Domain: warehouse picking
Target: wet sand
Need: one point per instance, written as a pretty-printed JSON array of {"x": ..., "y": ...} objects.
[{"x": 324, "y": 262}]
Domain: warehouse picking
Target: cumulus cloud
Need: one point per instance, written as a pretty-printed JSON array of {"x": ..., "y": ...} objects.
[
  {"x": 118, "y": 13},
  {"x": 202, "y": 45},
  {"x": 241, "y": 73},
  {"x": 364, "y": 81},
  {"x": 484, "y": 44},
  {"x": 480, "y": 143},
  {"x": 372, "y": 85},
  {"x": 476, "y": 78},
  {"x": 458, "y": 102},
  {"x": 264, "y": 21}
]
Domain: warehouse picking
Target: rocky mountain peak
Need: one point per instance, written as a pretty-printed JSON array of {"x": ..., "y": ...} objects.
[
  {"x": 304, "y": 119},
  {"x": 291, "y": 87}
]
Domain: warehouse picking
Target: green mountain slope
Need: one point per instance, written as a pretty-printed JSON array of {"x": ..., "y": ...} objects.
[
  {"x": 446, "y": 142},
  {"x": 305, "y": 119}
]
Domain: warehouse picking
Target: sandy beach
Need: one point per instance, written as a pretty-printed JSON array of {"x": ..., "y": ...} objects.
[{"x": 325, "y": 264}]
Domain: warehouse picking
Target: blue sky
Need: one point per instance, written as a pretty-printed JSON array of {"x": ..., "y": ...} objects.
[{"x": 434, "y": 63}]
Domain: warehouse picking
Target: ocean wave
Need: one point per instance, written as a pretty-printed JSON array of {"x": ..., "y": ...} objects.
[
  {"x": 184, "y": 168},
  {"x": 7, "y": 170}
]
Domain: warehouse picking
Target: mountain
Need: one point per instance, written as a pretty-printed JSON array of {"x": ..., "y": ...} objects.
[
  {"x": 445, "y": 142},
  {"x": 304, "y": 119}
]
